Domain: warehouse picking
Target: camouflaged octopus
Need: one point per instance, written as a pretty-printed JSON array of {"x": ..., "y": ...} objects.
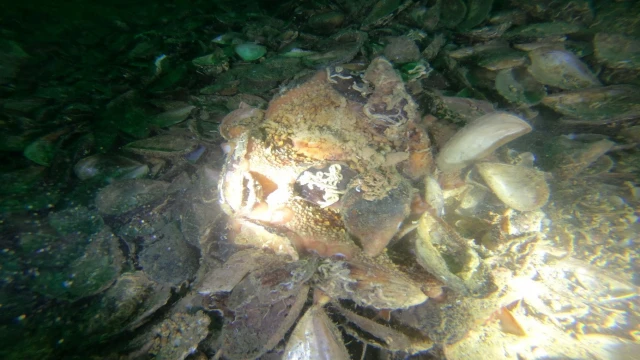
[
  {"x": 324, "y": 177},
  {"x": 330, "y": 162}
]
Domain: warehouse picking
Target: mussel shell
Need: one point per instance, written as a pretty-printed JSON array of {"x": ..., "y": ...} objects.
[
  {"x": 519, "y": 187},
  {"x": 315, "y": 337},
  {"x": 479, "y": 139},
  {"x": 518, "y": 87},
  {"x": 597, "y": 106},
  {"x": 561, "y": 69}
]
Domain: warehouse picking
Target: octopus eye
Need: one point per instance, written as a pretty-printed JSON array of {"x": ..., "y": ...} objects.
[{"x": 325, "y": 185}]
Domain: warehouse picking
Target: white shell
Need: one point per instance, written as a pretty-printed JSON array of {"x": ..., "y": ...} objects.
[
  {"x": 315, "y": 337},
  {"x": 479, "y": 139},
  {"x": 519, "y": 187}
]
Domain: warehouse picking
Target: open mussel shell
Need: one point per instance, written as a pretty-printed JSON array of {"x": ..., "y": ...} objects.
[
  {"x": 519, "y": 187},
  {"x": 479, "y": 139},
  {"x": 315, "y": 337}
]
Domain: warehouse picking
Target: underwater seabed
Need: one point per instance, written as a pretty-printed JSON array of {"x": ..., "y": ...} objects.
[{"x": 321, "y": 180}]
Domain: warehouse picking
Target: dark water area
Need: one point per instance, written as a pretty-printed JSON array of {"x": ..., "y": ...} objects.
[{"x": 436, "y": 179}]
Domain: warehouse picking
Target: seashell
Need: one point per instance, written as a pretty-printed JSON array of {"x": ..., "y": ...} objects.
[
  {"x": 368, "y": 283},
  {"x": 500, "y": 58},
  {"x": 452, "y": 13},
  {"x": 488, "y": 32},
  {"x": 172, "y": 117},
  {"x": 448, "y": 257},
  {"x": 570, "y": 157},
  {"x": 109, "y": 168},
  {"x": 327, "y": 22},
  {"x": 339, "y": 48},
  {"x": 381, "y": 12},
  {"x": 543, "y": 30},
  {"x": 170, "y": 261},
  {"x": 477, "y": 12},
  {"x": 229, "y": 38},
  {"x": 162, "y": 146},
  {"x": 126, "y": 195},
  {"x": 520, "y": 188},
  {"x": 315, "y": 337},
  {"x": 129, "y": 302},
  {"x": 264, "y": 315},
  {"x": 184, "y": 331},
  {"x": 617, "y": 51},
  {"x": 479, "y": 139},
  {"x": 601, "y": 105},
  {"x": 514, "y": 16},
  {"x": 434, "y": 196},
  {"x": 42, "y": 150},
  {"x": 509, "y": 323},
  {"x": 561, "y": 69},
  {"x": 458, "y": 109},
  {"x": 375, "y": 222},
  {"x": 241, "y": 263},
  {"x": 518, "y": 87}
]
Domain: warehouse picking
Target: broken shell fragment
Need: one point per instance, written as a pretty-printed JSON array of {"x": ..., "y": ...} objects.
[
  {"x": 479, "y": 139},
  {"x": 519, "y": 187},
  {"x": 315, "y": 337}
]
